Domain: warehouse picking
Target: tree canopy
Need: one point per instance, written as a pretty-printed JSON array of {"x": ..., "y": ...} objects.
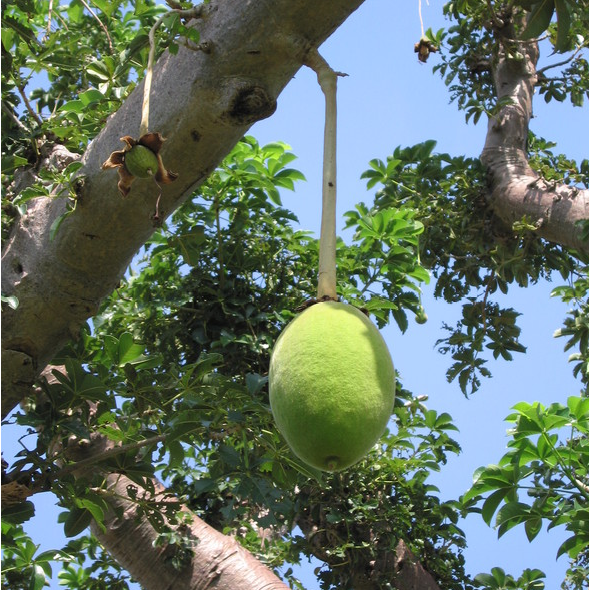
[{"x": 138, "y": 324}]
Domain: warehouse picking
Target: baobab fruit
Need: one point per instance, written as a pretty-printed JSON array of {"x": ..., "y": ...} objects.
[
  {"x": 332, "y": 385},
  {"x": 140, "y": 161}
]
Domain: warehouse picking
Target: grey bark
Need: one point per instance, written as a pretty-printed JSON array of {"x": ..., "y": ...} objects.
[{"x": 516, "y": 191}]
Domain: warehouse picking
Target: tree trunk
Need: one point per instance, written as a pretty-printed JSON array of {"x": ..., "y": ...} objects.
[
  {"x": 556, "y": 210},
  {"x": 203, "y": 101}
]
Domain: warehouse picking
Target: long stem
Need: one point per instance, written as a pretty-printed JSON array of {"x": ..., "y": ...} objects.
[
  {"x": 147, "y": 82},
  {"x": 327, "y": 262},
  {"x": 194, "y": 12}
]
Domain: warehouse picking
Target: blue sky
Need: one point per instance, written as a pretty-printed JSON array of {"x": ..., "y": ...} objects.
[{"x": 390, "y": 99}]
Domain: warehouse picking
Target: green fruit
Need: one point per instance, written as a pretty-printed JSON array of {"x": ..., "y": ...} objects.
[
  {"x": 141, "y": 161},
  {"x": 421, "y": 317},
  {"x": 332, "y": 385}
]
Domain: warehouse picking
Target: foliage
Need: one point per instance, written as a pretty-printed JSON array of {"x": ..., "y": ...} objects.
[
  {"x": 471, "y": 41},
  {"x": 470, "y": 254},
  {"x": 86, "y": 566},
  {"x": 182, "y": 385},
  {"x": 172, "y": 373},
  {"x": 547, "y": 461}
]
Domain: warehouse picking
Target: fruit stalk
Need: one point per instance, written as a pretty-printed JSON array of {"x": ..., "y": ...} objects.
[
  {"x": 147, "y": 82},
  {"x": 194, "y": 12},
  {"x": 327, "y": 78}
]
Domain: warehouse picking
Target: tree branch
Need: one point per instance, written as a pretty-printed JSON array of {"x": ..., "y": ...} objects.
[
  {"x": 212, "y": 559},
  {"x": 516, "y": 191},
  {"x": 203, "y": 103}
]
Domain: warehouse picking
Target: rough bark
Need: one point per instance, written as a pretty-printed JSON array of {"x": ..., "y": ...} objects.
[
  {"x": 516, "y": 191},
  {"x": 202, "y": 102},
  {"x": 409, "y": 574}
]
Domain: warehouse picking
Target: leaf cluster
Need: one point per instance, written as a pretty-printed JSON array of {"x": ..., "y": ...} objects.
[
  {"x": 470, "y": 254},
  {"x": 543, "y": 478},
  {"x": 470, "y": 48},
  {"x": 174, "y": 372}
]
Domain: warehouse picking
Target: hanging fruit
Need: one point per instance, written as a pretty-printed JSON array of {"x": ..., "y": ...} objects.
[{"x": 331, "y": 377}]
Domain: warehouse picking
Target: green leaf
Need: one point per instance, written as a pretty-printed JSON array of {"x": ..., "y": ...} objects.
[
  {"x": 510, "y": 515},
  {"x": 90, "y": 96},
  {"x": 563, "y": 25},
  {"x": 77, "y": 521},
  {"x": 18, "y": 513},
  {"x": 10, "y": 163},
  {"x": 73, "y": 106},
  {"x": 533, "y": 527},
  {"x": 129, "y": 351},
  {"x": 38, "y": 578},
  {"x": 76, "y": 11},
  {"x": 491, "y": 504},
  {"x": 539, "y": 19}
]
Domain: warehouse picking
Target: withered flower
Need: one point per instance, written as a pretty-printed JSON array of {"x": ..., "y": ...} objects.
[
  {"x": 424, "y": 48},
  {"x": 139, "y": 159}
]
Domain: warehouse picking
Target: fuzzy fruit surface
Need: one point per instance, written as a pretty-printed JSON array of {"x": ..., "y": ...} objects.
[
  {"x": 141, "y": 161},
  {"x": 332, "y": 385}
]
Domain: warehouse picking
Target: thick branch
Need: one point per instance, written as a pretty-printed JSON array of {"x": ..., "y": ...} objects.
[
  {"x": 217, "y": 560},
  {"x": 203, "y": 103},
  {"x": 516, "y": 190}
]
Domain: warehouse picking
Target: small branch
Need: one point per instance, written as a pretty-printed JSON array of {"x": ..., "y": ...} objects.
[
  {"x": 541, "y": 71},
  {"x": 49, "y": 18},
  {"x": 101, "y": 24},
  {"x": 113, "y": 452},
  {"x": 15, "y": 119},
  {"x": 32, "y": 112},
  {"x": 327, "y": 259}
]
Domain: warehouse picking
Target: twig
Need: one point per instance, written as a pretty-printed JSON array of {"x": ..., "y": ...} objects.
[
  {"x": 102, "y": 25},
  {"x": 28, "y": 105},
  {"x": 559, "y": 63},
  {"x": 49, "y": 18},
  {"x": 15, "y": 119},
  {"x": 484, "y": 303}
]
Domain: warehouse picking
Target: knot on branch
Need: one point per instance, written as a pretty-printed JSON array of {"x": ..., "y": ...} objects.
[{"x": 248, "y": 104}]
